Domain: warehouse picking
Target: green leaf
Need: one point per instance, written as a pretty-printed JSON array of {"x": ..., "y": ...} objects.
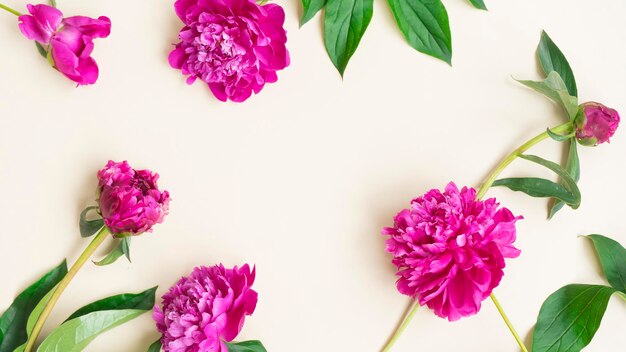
[
  {"x": 309, "y": 9},
  {"x": 89, "y": 227},
  {"x": 570, "y": 317},
  {"x": 126, "y": 247},
  {"x": 479, "y": 4},
  {"x": 143, "y": 300},
  {"x": 537, "y": 187},
  {"x": 425, "y": 26},
  {"x": 554, "y": 88},
  {"x": 613, "y": 259},
  {"x": 14, "y": 321},
  {"x": 122, "y": 248},
  {"x": 567, "y": 179},
  {"x": 74, "y": 335},
  {"x": 155, "y": 346},
  {"x": 345, "y": 22},
  {"x": 53, "y": 3},
  {"x": 552, "y": 59},
  {"x": 559, "y": 137},
  {"x": 246, "y": 346},
  {"x": 573, "y": 168},
  {"x": 41, "y": 50}
]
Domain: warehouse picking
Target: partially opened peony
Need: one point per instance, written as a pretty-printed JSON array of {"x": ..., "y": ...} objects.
[
  {"x": 235, "y": 46},
  {"x": 130, "y": 201},
  {"x": 206, "y": 309},
  {"x": 67, "y": 41},
  {"x": 450, "y": 249}
]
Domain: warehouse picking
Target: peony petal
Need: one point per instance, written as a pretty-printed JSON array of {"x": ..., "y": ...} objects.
[
  {"x": 41, "y": 24},
  {"x": 91, "y": 27}
]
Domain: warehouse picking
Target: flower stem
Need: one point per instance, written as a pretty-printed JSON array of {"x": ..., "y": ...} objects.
[
  {"x": 564, "y": 128},
  {"x": 508, "y": 322},
  {"x": 5, "y": 7},
  {"x": 402, "y": 326},
  {"x": 87, "y": 253}
]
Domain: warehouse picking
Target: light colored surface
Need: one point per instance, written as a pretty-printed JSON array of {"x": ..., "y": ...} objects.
[{"x": 301, "y": 178}]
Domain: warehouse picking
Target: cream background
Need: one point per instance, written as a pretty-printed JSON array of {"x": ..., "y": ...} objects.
[{"x": 300, "y": 179}]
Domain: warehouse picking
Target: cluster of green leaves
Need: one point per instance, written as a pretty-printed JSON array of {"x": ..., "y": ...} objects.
[
  {"x": 424, "y": 24},
  {"x": 560, "y": 86},
  {"x": 570, "y": 317},
  {"x": 79, "y": 329},
  {"x": 89, "y": 228}
]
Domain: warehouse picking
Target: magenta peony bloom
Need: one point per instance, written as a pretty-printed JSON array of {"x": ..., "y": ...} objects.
[
  {"x": 206, "y": 309},
  {"x": 595, "y": 123},
  {"x": 130, "y": 201},
  {"x": 450, "y": 248},
  {"x": 68, "y": 41},
  {"x": 235, "y": 46}
]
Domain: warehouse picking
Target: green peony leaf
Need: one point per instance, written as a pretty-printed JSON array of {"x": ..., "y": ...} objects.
[
  {"x": 310, "y": 8},
  {"x": 554, "y": 88},
  {"x": 14, "y": 321},
  {"x": 566, "y": 178},
  {"x": 613, "y": 259},
  {"x": 41, "y": 50},
  {"x": 425, "y": 26},
  {"x": 479, "y": 4},
  {"x": 552, "y": 59},
  {"x": 345, "y": 22},
  {"x": 89, "y": 227},
  {"x": 74, "y": 335},
  {"x": 573, "y": 168},
  {"x": 246, "y": 346},
  {"x": 122, "y": 248},
  {"x": 143, "y": 300},
  {"x": 570, "y": 317},
  {"x": 537, "y": 187},
  {"x": 155, "y": 346},
  {"x": 559, "y": 137}
]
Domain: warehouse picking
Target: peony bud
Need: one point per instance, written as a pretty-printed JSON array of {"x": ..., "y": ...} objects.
[
  {"x": 595, "y": 123},
  {"x": 130, "y": 201}
]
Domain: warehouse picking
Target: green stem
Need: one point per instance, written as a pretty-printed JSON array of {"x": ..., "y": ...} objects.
[
  {"x": 87, "y": 253},
  {"x": 564, "y": 128},
  {"x": 508, "y": 323},
  {"x": 5, "y": 7},
  {"x": 402, "y": 326}
]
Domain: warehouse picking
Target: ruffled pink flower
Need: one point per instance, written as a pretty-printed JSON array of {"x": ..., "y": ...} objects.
[
  {"x": 595, "y": 123},
  {"x": 68, "y": 41},
  {"x": 206, "y": 309},
  {"x": 130, "y": 200},
  {"x": 450, "y": 249},
  {"x": 235, "y": 46}
]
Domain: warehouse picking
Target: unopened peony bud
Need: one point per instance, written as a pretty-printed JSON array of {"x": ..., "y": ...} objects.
[{"x": 595, "y": 123}]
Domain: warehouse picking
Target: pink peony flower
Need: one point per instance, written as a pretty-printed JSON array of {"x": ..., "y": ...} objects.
[
  {"x": 450, "y": 248},
  {"x": 130, "y": 201},
  {"x": 235, "y": 46},
  {"x": 206, "y": 309},
  {"x": 68, "y": 41},
  {"x": 595, "y": 123}
]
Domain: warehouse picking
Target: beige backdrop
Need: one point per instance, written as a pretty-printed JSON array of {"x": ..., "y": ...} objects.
[{"x": 301, "y": 179}]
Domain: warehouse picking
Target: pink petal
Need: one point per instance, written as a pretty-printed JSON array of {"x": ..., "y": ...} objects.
[{"x": 41, "y": 24}]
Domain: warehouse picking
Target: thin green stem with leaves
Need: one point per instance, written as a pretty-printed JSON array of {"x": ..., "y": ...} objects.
[
  {"x": 8, "y": 9},
  {"x": 484, "y": 187},
  {"x": 102, "y": 234}
]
